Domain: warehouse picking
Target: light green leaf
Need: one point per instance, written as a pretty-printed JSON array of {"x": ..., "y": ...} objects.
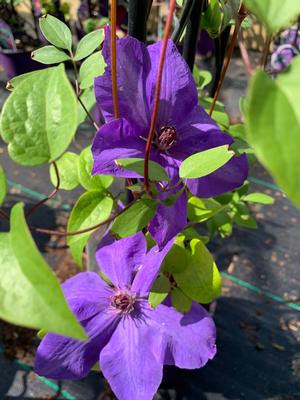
[
  {"x": 90, "y": 209},
  {"x": 135, "y": 218},
  {"x": 205, "y": 162},
  {"x": 156, "y": 171},
  {"x": 176, "y": 259},
  {"x": 39, "y": 118},
  {"x": 49, "y": 55},
  {"x": 275, "y": 14},
  {"x": 30, "y": 295},
  {"x": 56, "y": 32},
  {"x": 180, "y": 301},
  {"x": 202, "y": 77},
  {"x": 273, "y": 125},
  {"x": 200, "y": 210},
  {"x": 200, "y": 280},
  {"x": 89, "y": 100},
  {"x": 259, "y": 198},
  {"x": 92, "y": 67},
  {"x": 159, "y": 291},
  {"x": 88, "y": 44},
  {"x": 14, "y": 82},
  {"x": 86, "y": 179},
  {"x": 67, "y": 168},
  {"x": 3, "y": 185}
]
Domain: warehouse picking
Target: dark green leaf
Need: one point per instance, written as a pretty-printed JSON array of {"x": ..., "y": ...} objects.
[
  {"x": 30, "y": 294},
  {"x": 204, "y": 163},
  {"x": 88, "y": 44},
  {"x": 200, "y": 210},
  {"x": 92, "y": 67},
  {"x": 86, "y": 179},
  {"x": 159, "y": 291},
  {"x": 156, "y": 171},
  {"x": 135, "y": 218},
  {"x": 56, "y": 32},
  {"x": 49, "y": 55},
  {"x": 39, "y": 118},
  {"x": 91, "y": 209},
  {"x": 180, "y": 301},
  {"x": 67, "y": 168}
]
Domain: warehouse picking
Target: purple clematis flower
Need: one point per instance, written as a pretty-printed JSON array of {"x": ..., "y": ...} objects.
[
  {"x": 182, "y": 129},
  {"x": 131, "y": 340}
]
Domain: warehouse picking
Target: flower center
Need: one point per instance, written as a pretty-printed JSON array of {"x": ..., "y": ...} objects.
[
  {"x": 166, "y": 137},
  {"x": 123, "y": 302}
]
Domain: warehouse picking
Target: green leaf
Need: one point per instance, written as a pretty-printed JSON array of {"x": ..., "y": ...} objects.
[
  {"x": 243, "y": 217},
  {"x": 86, "y": 179},
  {"x": 180, "y": 301},
  {"x": 56, "y": 32},
  {"x": 219, "y": 115},
  {"x": 90, "y": 209},
  {"x": 39, "y": 118},
  {"x": 89, "y": 100},
  {"x": 3, "y": 185},
  {"x": 200, "y": 210},
  {"x": 205, "y": 162},
  {"x": 220, "y": 222},
  {"x": 135, "y": 218},
  {"x": 92, "y": 67},
  {"x": 202, "y": 77},
  {"x": 67, "y": 168},
  {"x": 159, "y": 291},
  {"x": 88, "y": 44},
  {"x": 273, "y": 125},
  {"x": 176, "y": 259},
  {"x": 259, "y": 198},
  {"x": 49, "y": 55},
  {"x": 200, "y": 280},
  {"x": 30, "y": 295},
  {"x": 14, "y": 82},
  {"x": 275, "y": 14},
  {"x": 156, "y": 171}
]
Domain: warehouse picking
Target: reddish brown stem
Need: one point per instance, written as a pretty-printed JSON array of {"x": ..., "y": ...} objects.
[
  {"x": 92, "y": 228},
  {"x": 113, "y": 46},
  {"x": 241, "y": 16},
  {"x": 50, "y": 196},
  {"x": 264, "y": 58},
  {"x": 172, "y": 6},
  {"x": 4, "y": 215},
  {"x": 245, "y": 55}
]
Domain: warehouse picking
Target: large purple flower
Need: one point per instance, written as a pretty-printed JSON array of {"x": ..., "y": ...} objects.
[
  {"x": 131, "y": 340},
  {"x": 182, "y": 129}
]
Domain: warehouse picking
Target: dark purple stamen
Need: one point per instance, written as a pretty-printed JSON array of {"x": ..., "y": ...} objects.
[
  {"x": 123, "y": 302},
  {"x": 166, "y": 138}
]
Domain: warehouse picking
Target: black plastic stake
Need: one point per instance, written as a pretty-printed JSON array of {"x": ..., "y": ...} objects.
[
  {"x": 138, "y": 11},
  {"x": 191, "y": 36}
]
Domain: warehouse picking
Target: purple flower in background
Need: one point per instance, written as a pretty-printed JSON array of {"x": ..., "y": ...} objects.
[
  {"x": 282, "y": 57},
  {"x": 131, "y": 340},
  {"x": 183, "y": 127}
]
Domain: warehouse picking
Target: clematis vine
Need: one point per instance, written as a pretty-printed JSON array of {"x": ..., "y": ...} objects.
[
  {"x": 183, "y": 128},
  {"x": 131, "y": 340}
]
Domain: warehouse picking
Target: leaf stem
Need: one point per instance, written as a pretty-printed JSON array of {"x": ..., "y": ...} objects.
[
  {"x": 113, "y": 46},
  {"x": 92, "y": 228},
  {"x": 4, "y": 215},
  {"x": 51, "y": 195},
  {"x": 172, "y": 5},
  {"x": 241, "y": 15},
  {"x": 264, "y": 58}
]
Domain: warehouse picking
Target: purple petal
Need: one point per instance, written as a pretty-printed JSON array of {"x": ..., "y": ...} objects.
[
  {"x": 115, "y": 140},
  {"x": 190, "y": 337},
  {"x": 120, "y": 260},
  {"x": 59, "y": 357},
  {"x": 229, "y": 177},
  {"x": 132, "y": 360},
  {"x": 133, "y": 65},
  {"x": 147, "y": 274},
  {"x": 87, "y": 294},
  {"x": 169, "y": 221},
  {"x": 178, "y": 89}
]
